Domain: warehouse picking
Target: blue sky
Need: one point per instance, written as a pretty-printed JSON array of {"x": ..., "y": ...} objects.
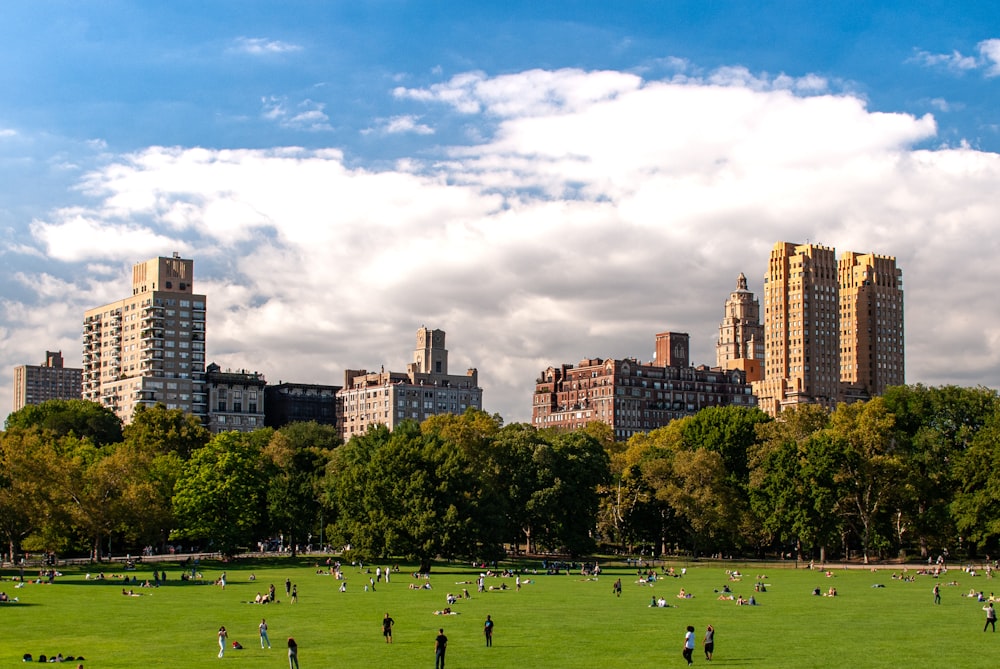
[{"x": 544, "y": 181}]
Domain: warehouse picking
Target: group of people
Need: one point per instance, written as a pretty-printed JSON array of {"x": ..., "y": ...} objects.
[{"x": 293, "y": 647}]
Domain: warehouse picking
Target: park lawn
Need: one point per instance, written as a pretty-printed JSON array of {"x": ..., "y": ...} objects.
[{"x": 555, "y": 621}]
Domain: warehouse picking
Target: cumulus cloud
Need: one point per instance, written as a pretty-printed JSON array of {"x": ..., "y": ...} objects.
[
  {"x": 259, "y": 46},
  {"x": 598, "y": 209}
]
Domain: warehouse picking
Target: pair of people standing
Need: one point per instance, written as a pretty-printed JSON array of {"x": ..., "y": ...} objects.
[{"x": 709, "y": 642}]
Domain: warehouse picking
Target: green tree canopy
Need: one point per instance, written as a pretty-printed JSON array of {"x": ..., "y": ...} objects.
[
  {"x": 81, "y": 418},
  {"x": 219, "y": 497}
]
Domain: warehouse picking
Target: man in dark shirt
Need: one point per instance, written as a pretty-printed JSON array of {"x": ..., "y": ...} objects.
[{"x": 440, "y": 644}]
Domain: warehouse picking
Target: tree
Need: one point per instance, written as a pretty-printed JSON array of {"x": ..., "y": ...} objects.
[
  {"x": 871, "y": 468},
  {"x": 219, "y": 496},
  {"x": 406, "y": 493},
  {"x": 80, "y": 418},
  {"x": 565, "y": 501},
  {"x": 792, "y": 489},
  {"x": 976, "y": 504},
  {"x": 162, "y": 430},
  {"x": 934, "y": 427},
  {"x": 30, "y": 506},
  {"x": 296, "y": 458}
]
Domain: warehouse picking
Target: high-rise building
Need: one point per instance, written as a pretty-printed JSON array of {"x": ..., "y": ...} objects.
[
  {"x": 149, "y": 348},
  {"x": 821, "y": 318},
  {"x": 871, "y": 324},
  {"x": 632, "y": 396},
  {"x": 235, "y": 399},
  {"x": 34, "y": 384},
  {"x": 423, "y": 390},
  {"x": 741, "y": 335}
]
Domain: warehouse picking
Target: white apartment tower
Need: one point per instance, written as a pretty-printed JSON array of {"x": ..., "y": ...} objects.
[{"x": 149, "y": 347}]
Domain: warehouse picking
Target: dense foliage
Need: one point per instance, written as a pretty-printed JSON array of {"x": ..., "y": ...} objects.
[{"x": 916, "y": 471}]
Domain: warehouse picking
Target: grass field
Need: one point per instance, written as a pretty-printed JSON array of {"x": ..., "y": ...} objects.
[{"x": 559, "y": 621}]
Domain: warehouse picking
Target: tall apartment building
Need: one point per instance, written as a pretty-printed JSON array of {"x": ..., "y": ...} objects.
[
  {"x": 632, "y": 396},
  {"x": 149, "y": 347},
  {"x": 423, "y": 390},
  {"x": 235, "y": 399},
  {"x": 871, "y": 324},
  {"x": 815, "y": 332},
  {"x": 51, "y": 380},
  {"x": 741, "y": 334}
]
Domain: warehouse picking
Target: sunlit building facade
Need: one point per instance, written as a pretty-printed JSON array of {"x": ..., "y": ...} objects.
[{"x": 149, "y": 347}]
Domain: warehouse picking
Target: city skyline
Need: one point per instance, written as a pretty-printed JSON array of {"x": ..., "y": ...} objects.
[{"x": 543, "y": 183}]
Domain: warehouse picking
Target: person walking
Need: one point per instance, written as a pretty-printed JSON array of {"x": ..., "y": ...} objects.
[
  {"x": 689, "y": 645},
  {"x": 295, "y": 594},
  {"x": 709, "y": 642},
  {"x": 263, "y": 633},
  {"x": 937, "y": 593},
  {"x": 288, "y": 587},
  {"x": 387, "y": 624},
  {"x": 991, "y": 617},
  {"x": 488, "y": 631},
  {"x": 223, "y": 640},
  {"x": 617, "y": 588},
  {"x": 440, "y": 646},
  {"x": 293, "y": 654}
]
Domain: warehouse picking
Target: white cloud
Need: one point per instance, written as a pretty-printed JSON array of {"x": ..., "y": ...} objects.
[
  {"x": 307, "y": 115},
  {"x": 259, "y": 46},
  {"x": 990, "y": 52},
  {"x": 952, "y": 61},
  {"x": 600, "y": 209},
  {"x": 8, "y": 132},
  {"x": 398, "y": 125},
  {"x": 988, "y": 59}
]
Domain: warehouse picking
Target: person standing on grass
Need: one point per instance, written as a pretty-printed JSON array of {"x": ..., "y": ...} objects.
[
  {"x": 689, "y": 645},
  {"x": 937, "y": 593},
  {"x": 488, "y": 631},
  {"x": 991, "y": 617},
  {"x": 293, "y": 654},
  {"x": 288, "y": 587},
  {"x": 709, "y": 642},
  {"x": 295, "y": 594},
  {"x": 263, "y": 633},
  {"x": 223, "y": 639},
  {"x": 387, "y": 624},
  {"x": 440, "y": 646}
]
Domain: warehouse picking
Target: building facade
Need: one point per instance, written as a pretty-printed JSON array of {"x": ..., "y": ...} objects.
[
  {"x": 741, "y": 334},
  {"x": 871, "y": 324},
  {"x": 425, "y": 389},
  {"x": 634, "y": 397},
  {"x": 149, "y": 347},
  {"x": 235, "y": 399},
  {"x": 286, "y": 403},
  {"x": 51, "y": 380},
  {"x": 829, "y": 327}
]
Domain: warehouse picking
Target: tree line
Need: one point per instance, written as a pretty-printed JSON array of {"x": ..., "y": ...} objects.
[{"x": 913, "y": 472}]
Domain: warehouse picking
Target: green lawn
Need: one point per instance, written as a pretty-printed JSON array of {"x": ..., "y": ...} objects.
[{"x": 553, "y": 622}]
